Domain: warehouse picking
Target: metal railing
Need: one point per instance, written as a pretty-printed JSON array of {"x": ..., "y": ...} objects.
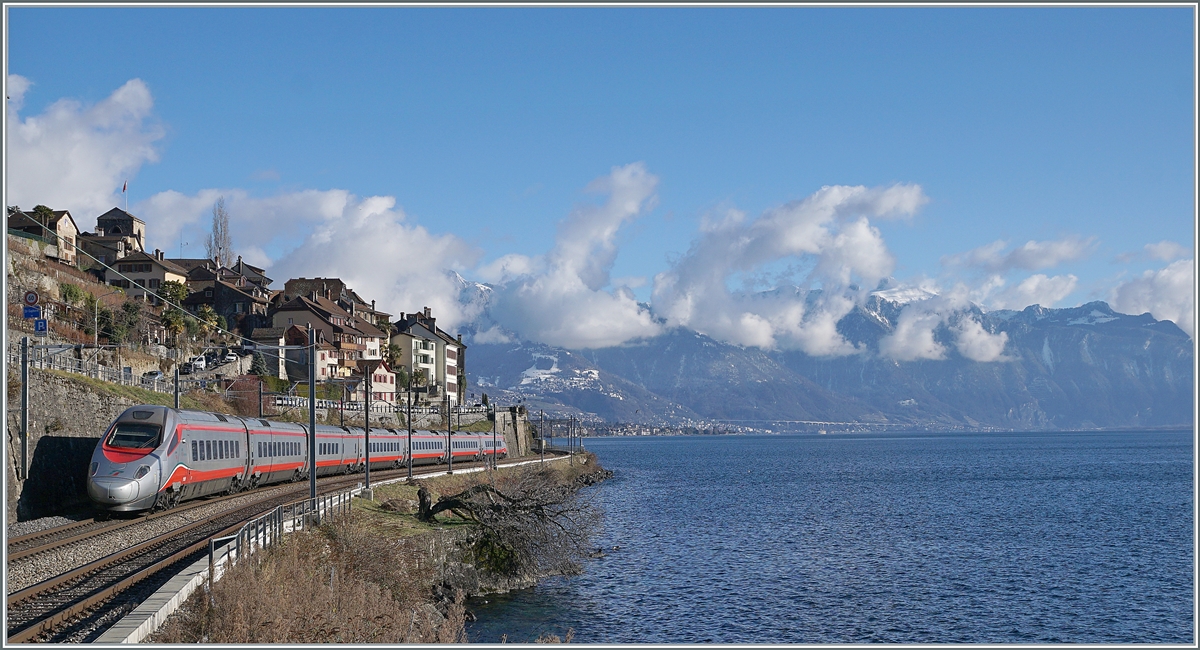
[
  {"x": 269, "y": 528},
  {"x": 60, "y": 360},
  {"x": 296, "y": 401}
]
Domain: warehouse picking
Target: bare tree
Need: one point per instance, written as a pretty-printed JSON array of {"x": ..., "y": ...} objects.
[
  {"x": 531, "y": 522},
  {"x": 219, "y": 243}
]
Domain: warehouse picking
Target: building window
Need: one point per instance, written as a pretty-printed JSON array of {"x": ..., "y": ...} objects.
[
  {"x": 289, "y": 321},
  {"x": 155, "y": 283},
  {"x": 208, "y": 294}
]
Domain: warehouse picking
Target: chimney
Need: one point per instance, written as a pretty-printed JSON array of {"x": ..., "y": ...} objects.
[
  {"x": 426, "y": 312},
  {"x": 99, "y": 231},
  {"x": 372, "y": 305},
  {"x": 314, "y": 296}
]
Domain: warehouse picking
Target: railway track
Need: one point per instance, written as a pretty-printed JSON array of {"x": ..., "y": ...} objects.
[
  {"x": 53, "y": 538},
  {"x": 51, "y": 610}
]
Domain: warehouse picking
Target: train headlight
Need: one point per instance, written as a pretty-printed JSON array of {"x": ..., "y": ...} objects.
[
  {"x": 95, "y": 466},
  {"x": 142, "y": 471}
]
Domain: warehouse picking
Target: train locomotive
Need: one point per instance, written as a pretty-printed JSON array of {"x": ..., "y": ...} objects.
[{"x": 154, "y": 457}]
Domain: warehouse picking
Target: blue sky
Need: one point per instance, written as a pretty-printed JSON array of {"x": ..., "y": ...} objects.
[{"x": 1068, "y": 127}]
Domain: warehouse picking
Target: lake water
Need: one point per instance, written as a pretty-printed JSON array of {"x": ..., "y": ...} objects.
[{"x": 896, "y": 538}]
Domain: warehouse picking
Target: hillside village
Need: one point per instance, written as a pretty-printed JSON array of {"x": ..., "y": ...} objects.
[{"x": 234, "y": 304}]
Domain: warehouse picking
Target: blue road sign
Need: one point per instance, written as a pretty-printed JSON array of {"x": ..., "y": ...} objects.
[
  {"x": 39, "y": 325},
  {"x": 33, "y": 312}
]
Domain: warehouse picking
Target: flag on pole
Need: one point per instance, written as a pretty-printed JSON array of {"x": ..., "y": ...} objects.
[{"x": 124, "y": 187}]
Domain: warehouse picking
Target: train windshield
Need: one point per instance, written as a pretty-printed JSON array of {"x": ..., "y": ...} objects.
[{"x": 135, "y": 435}]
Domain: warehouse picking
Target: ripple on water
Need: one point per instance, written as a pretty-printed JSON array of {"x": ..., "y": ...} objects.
[{"x": 997, "y": 538}]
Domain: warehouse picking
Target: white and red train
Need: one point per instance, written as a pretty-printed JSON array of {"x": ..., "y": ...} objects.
[{"x": 153, "y": 457}]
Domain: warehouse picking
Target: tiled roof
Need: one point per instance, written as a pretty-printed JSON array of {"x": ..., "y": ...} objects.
[{"x": 144, "y": 256}]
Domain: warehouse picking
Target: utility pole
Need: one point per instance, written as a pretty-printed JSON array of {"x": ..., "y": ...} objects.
[
  {"x": 260, "y": 401},
  {"x": 177, "y": 391},
  {"x": 449, "y": 439},
  {"x": 409, "y": 391},
  {"x": 24, "y": 407},
  {"x": 368, "y": 371},
  {"x": 312, "y": 415},
  {"x": 542, "y": 436},
  {"x": 494, "y": 463}
]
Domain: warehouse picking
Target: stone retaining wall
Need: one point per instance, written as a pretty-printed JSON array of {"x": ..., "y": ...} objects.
[{"x": 66, "y": 420}]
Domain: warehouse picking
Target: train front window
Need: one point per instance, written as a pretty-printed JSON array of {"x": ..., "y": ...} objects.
[{"x": 135, "y": 435}]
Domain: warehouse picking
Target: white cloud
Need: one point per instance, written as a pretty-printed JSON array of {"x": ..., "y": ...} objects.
[
  {"x": 364, "y": 241},
  {"x": 976, "y": 343},
  {"x": 506, "y": 268},
  {"x": 830, "y": 229},
  {"x": 913, "y": 337},
  {"x": 75, "y": 156},
  {"x": 1037, "y": 289},
  {"x": 1167, "y": 251},
  {"x": 494, "y": 334},
  {"x": 1030, "y": 256},
  {"x": 1167, "y": 294},
  {"x": 560, "y": 299},
  {"x": 15, "y": 91}
]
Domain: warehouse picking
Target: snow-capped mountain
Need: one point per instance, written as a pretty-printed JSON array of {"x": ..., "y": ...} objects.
[{"x": 1082, "y": 367}]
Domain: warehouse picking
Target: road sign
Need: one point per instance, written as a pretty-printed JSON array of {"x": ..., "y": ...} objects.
[
  {"x": 39, "y": 325},
  {"x": 33, "y": 312},
  {"x": 31, "y": 298}
]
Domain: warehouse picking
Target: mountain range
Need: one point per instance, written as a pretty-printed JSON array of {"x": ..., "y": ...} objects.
[{"x": 1077, "y": 368}]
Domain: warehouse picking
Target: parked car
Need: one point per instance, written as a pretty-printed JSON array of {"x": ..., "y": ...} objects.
[
  {"x": 198, "y": 362},
  {"x": 231, "y": 356},
  {"x": 152, "y": 375},
  {"x": 186, "y": 369}
]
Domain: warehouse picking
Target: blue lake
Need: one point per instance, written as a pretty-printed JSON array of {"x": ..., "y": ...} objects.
[{"x": 893, "y": 538}]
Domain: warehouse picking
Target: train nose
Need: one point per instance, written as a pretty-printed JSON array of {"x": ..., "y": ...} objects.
[{"x": 112, "y": 490}]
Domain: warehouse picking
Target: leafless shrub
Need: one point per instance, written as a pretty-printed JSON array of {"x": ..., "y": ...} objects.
[
  {"x": 531, "y": 521},
  {"x": 340, "y": 584}
]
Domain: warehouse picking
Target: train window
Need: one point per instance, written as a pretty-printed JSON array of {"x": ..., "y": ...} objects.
[
  {"x": 203, "y": 448},
  {"x": 220, "y": 445},
  {"x": 135, "y": 435},
  {"x": 237, "y": 449},
  {"x": 194, "y": 457}
]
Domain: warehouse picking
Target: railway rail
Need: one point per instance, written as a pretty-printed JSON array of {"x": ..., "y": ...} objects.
[
  {"x": 53, "y": 538},
  {"x": 53, "y": 608}
]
